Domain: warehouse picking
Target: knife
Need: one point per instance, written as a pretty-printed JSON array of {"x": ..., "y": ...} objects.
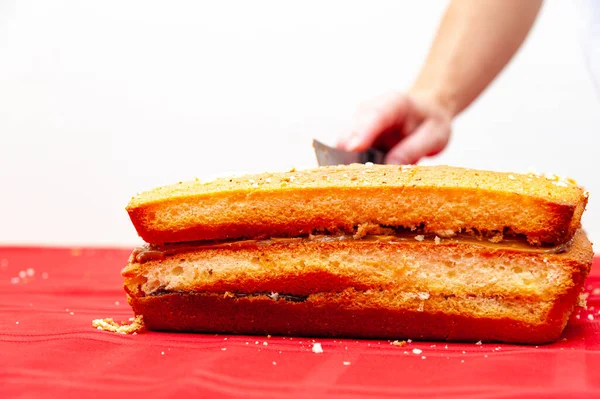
[{"x": 333, "y": 156}]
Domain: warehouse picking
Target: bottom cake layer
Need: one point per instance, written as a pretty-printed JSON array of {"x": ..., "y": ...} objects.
[{"x": 356, "y": 314}]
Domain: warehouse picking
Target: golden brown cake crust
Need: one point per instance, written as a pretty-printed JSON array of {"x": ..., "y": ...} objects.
[{"x": 340, "y": 198}]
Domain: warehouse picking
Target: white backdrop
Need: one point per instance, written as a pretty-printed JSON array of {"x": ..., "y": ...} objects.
[{"x": 99, "y": 100}]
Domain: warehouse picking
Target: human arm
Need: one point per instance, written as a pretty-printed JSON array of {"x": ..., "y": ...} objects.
[{"x": 474, "y": 42}]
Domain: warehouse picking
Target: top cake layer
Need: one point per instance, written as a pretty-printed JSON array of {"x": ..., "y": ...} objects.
[{"x": 433, "y": 199}]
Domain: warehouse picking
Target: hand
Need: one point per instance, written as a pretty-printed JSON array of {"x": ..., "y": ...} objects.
[{"x": 407, "y": 127}]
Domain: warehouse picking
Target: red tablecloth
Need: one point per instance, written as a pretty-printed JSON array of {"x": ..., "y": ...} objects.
[{"x": 48, "y": 348}]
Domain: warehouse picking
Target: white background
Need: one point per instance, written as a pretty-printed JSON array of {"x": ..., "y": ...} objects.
[{"x": 102, "y": 99}]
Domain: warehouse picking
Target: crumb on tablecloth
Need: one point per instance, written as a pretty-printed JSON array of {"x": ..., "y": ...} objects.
[
  {"x": 317, "y": 348},
  {"x": 136, "y": 325}
]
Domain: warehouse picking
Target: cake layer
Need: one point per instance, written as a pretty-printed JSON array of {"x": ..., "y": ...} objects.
[
  {"x": 437, "y": 199},
  {"x": 362, "y": 314},
  {"x": 324, "y": 264}
]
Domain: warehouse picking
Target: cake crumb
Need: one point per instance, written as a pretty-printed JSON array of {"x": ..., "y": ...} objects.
[
  {"x": 417, "y": 351},
  {"x": 420, "y": 237},
  {"x": 317, "y": 348},
  {"x": 347, "y": 363},
  {"x": 274, "y": 296},
  {"x": 478, "y": 343},
  {"x": 445, "y": 233},
  {"x": 110, "y": 325},
  {"x": 498, "y": 237},
  {"x": 585, "y": 295},
  {"x": 399, "y": 343},
  {"x": 437, "y": 240},
  {"x": 590, "y": 317},
  {"x": 581, "y": 301},
  {"x": 365, "y": 229}
]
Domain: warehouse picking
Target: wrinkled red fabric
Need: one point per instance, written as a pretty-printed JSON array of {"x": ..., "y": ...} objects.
[{"x": 48, "y": 348}]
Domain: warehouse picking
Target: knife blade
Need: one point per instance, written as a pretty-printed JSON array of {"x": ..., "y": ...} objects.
[{"x": 327, "y": 156}]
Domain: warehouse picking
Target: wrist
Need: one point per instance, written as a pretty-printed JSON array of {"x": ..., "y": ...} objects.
[{"x": 441, "y": 102}]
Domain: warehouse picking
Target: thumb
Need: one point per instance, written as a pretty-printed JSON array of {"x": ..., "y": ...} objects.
[{"x": 430, "y": 138}]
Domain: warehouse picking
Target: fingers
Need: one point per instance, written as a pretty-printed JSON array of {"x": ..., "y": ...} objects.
[
  {"x": 430, "y": 138},
  {"x": 409, "y": 127},
  {"x": 375, "y": 118}
]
